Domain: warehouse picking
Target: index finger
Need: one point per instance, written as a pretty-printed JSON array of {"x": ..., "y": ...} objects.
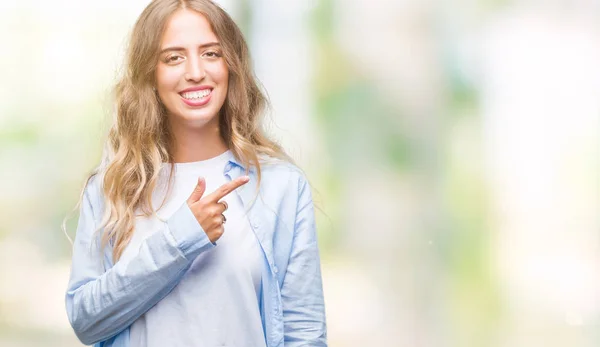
[{"x": 227, "y": 188}]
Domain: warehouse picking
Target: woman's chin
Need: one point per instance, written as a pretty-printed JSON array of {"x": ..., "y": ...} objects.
[{"x": 197, "y": 118}]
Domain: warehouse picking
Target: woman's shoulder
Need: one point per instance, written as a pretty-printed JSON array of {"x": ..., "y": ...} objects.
[
  {"x": 93, "y": 189},
  {"x": 271, "y": 166},
  {"x": 282, "y": 174}
]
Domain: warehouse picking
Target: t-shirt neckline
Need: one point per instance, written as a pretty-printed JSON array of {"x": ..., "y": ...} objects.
[{"x": 212, "y": 163}]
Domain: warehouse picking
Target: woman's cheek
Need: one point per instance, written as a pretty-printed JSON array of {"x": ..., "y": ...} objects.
[
  {"x": 173, "y": 76},
  {"x": 167, "y": 76}
]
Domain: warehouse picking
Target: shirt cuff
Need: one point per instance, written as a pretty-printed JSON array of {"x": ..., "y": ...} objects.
[{"x": 189, "y": 236}]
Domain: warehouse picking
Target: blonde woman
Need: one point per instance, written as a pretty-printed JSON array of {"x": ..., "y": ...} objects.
[{"x": 196, "y": 229}]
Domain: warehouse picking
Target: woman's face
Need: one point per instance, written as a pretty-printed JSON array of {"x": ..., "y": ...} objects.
[{"x": 191, "y": 74}]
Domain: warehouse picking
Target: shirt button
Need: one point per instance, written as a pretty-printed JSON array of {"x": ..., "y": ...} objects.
[{"x": 275, "y": 269}]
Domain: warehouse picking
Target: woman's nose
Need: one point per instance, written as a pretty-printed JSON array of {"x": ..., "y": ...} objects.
[{"x": 194, "y": 70}]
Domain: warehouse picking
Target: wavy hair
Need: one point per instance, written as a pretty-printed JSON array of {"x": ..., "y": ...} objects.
[{"x": 140, "y": 142}]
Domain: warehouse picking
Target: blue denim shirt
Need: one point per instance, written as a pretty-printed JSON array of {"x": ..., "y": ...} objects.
[{"x": 103, "y": 299}]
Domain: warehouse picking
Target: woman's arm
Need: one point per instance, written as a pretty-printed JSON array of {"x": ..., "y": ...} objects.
[
  {"x": 100, "y": 304},
  {"x": 302, "y": 289}
]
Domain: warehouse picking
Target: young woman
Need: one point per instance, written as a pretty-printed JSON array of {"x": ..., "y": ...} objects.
[{"x": 196, "y": 229}]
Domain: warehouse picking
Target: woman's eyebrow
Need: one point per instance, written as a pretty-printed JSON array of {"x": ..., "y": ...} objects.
[{"x": 179, "y": 49}]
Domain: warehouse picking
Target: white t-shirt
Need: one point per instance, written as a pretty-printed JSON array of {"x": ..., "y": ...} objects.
[{"x": 217, "y": 301}]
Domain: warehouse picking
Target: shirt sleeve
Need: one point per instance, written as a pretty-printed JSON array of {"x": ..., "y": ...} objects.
[
  {"x": 101, "y": 303},
  {"x": 302, "y": 289}
]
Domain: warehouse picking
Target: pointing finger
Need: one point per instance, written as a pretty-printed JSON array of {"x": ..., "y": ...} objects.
[{"x": 227, "y": 188}]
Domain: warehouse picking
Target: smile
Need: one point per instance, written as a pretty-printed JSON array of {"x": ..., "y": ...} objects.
[{"x": 196, "y": 98}]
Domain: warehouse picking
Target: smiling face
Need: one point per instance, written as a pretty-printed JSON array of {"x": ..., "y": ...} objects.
[{"x": 191, "y": 73}]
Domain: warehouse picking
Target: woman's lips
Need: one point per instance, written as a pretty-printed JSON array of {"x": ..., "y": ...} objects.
[{"x": 195, "y": 102}]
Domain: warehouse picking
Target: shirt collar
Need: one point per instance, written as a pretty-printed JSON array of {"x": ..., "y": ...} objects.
[{"x": 233, "y": 162}]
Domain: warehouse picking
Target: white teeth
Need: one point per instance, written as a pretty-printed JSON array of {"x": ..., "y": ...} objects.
[{"x": 197, "y": 95}]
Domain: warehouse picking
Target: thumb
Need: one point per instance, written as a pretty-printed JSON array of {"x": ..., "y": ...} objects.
[{"x": 198, "y": 191}]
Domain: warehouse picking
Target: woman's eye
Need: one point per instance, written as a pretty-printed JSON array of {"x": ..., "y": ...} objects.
[
  {"x": 173, "y": 58},
  {"x": 212, "y": 54}
]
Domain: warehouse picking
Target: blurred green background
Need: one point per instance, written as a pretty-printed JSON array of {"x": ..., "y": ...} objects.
[{"x": 452, "y": 147}]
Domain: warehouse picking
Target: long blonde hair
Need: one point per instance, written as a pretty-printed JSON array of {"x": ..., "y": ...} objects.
[{"x": 139, "y": 141}]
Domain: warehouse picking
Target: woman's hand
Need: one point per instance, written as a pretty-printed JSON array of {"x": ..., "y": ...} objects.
[{"x": 209, "y": 210}]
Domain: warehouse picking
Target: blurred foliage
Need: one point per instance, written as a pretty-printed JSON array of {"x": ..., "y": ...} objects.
[{"x": 354, "y": 119}]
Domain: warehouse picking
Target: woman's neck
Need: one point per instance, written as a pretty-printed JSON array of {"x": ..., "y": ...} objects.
[{"x": 192, "y": 144}]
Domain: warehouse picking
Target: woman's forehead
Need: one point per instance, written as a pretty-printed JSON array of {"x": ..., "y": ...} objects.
[{"x": 187, "y": 28}]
